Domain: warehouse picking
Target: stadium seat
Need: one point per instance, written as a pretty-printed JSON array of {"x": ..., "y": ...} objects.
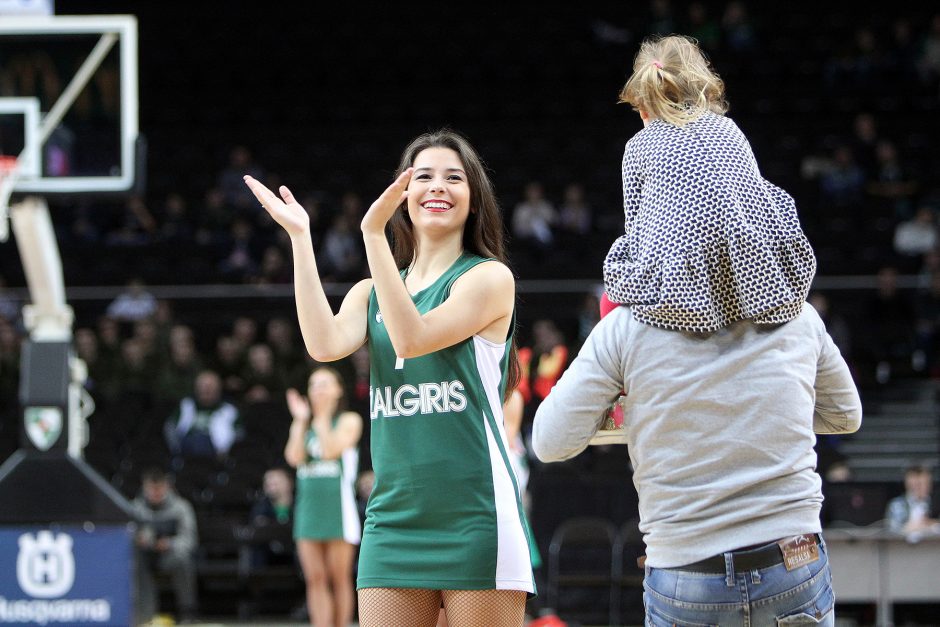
[
  {"x": 627, "y": 600},
  {"x": 581, "y": 569}
]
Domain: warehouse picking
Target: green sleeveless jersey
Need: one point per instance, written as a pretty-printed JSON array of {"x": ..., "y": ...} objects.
[
  {"x": 445, "y": 511},
  {"x": 325, "y": 502}
]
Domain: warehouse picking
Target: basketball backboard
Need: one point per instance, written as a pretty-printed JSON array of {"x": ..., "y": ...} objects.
[
  {"x": 19, "y": 129},
  {"x": 70, "y": 84}
]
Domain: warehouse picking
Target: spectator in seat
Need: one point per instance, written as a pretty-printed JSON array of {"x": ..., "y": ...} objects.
[
  {"x": 918, "y": 236},
  {"x": 288, "y": 351},
  {"x": 241, "y": 259},
  {"x": 204, "y": 425},
  {"x": 263, "y": 379},
  {"x": 276, "y": 504},
  {"x": 135, "y": 303},
  {"x": 179, "y": 374},
  {"x": 245, "y": 332},
  {"x": 229, "y": 362},
  {"x": 575, "y": 215},
  {"x": 543, "y": 362},
  {"x": 892, "y": 183},
  {"x": 738, "y": 32},
  {"x": 843, "y": 182},
  {"x": 913, "y": 513},
  {"x": 275, "y": 508},
  {"x": 229, "y": 181},
  {"x": 535, "y": 218},
  {"x": 342, "y": 252},
  {"x": 892, "y": 345},
  {"x": 166, "y": 540},
  {"x": 927, "y": 326}
]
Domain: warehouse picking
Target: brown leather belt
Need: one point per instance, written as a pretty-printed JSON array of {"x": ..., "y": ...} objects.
[{"x": 743, "y": 560}]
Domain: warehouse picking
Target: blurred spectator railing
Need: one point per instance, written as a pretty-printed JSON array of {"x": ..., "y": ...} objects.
[{"x": 538, "y": 286}]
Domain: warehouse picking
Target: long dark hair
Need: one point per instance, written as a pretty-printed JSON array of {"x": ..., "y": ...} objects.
[{"x": 483, "y": 234}]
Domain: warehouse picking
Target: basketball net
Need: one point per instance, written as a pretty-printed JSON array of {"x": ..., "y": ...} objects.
[{"x": 7, "y": 182}]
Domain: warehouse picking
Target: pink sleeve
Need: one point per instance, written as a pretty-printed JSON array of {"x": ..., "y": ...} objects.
[{"x": 607, "y": 305}]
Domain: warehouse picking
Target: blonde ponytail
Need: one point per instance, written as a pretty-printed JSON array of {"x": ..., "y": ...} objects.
[{"x": 673, "y": 81}]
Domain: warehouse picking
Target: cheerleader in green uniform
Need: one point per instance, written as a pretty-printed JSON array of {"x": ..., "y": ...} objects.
[
  {"x": 322, "y": 447},
  {"x": 445, "y": 522}
]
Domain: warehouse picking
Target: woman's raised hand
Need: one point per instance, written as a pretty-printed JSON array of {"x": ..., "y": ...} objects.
[
  {"x": 385, "y": 205},
  {"x": 298, "y": 406},
  {"x": 287, "y": 212}
]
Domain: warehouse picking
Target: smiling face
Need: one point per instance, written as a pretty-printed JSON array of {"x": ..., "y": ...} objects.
[
  {"x": 439, "y": 193},
  {"x": 481, "y": 224}
]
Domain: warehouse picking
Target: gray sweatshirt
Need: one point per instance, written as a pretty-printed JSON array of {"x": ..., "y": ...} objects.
[
  {"x": 174, "y": 518},
  {"x": 720, "y": 427}
]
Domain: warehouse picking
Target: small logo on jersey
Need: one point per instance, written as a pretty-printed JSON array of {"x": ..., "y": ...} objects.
[
  {"x": 378, "y": 317},
  {"x": 408, "y": 400},
  {"x": 45, "y": 566}
]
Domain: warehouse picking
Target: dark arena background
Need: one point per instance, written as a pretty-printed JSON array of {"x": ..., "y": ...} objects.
[{"x": 840, "y": 103}]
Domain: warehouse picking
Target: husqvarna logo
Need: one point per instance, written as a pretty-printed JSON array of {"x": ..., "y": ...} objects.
[{"x": 45, "y": 566}]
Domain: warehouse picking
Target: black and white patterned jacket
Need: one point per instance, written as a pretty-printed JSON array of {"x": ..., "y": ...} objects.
[{"x": 707, "y": 240}]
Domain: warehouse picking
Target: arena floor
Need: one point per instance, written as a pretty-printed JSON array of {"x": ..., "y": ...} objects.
[
  {"x": 259, "y": 622},
  {"x": 262, "y": 622}
]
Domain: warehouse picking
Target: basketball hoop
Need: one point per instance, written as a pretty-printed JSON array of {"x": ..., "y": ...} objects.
[{"x": 7, "y": 172}]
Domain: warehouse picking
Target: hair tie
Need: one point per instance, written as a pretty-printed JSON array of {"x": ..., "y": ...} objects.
[{"x": 658, "y": 65}]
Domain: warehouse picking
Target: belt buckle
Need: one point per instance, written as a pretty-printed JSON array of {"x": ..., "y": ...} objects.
[{"x": 799, "y": 550}]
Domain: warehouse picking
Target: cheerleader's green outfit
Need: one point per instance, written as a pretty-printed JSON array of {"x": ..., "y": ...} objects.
[
  {"x": 445, "y": 511},
  {"x": 325, "y": 507}
]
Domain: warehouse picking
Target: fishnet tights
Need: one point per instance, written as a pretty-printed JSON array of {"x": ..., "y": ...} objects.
[
  {"x": 400, "y": 607},
  {"x": 484, "y": 608}
]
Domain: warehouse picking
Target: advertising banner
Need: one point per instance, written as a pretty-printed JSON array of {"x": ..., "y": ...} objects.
[{"x": 74, "y": 576}]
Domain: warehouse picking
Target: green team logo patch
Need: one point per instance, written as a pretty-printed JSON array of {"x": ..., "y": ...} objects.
[{"x": 43, "y": 426}]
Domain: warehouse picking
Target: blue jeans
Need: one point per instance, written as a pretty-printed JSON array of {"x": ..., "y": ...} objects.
[{"x": 759, "y": 598}]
